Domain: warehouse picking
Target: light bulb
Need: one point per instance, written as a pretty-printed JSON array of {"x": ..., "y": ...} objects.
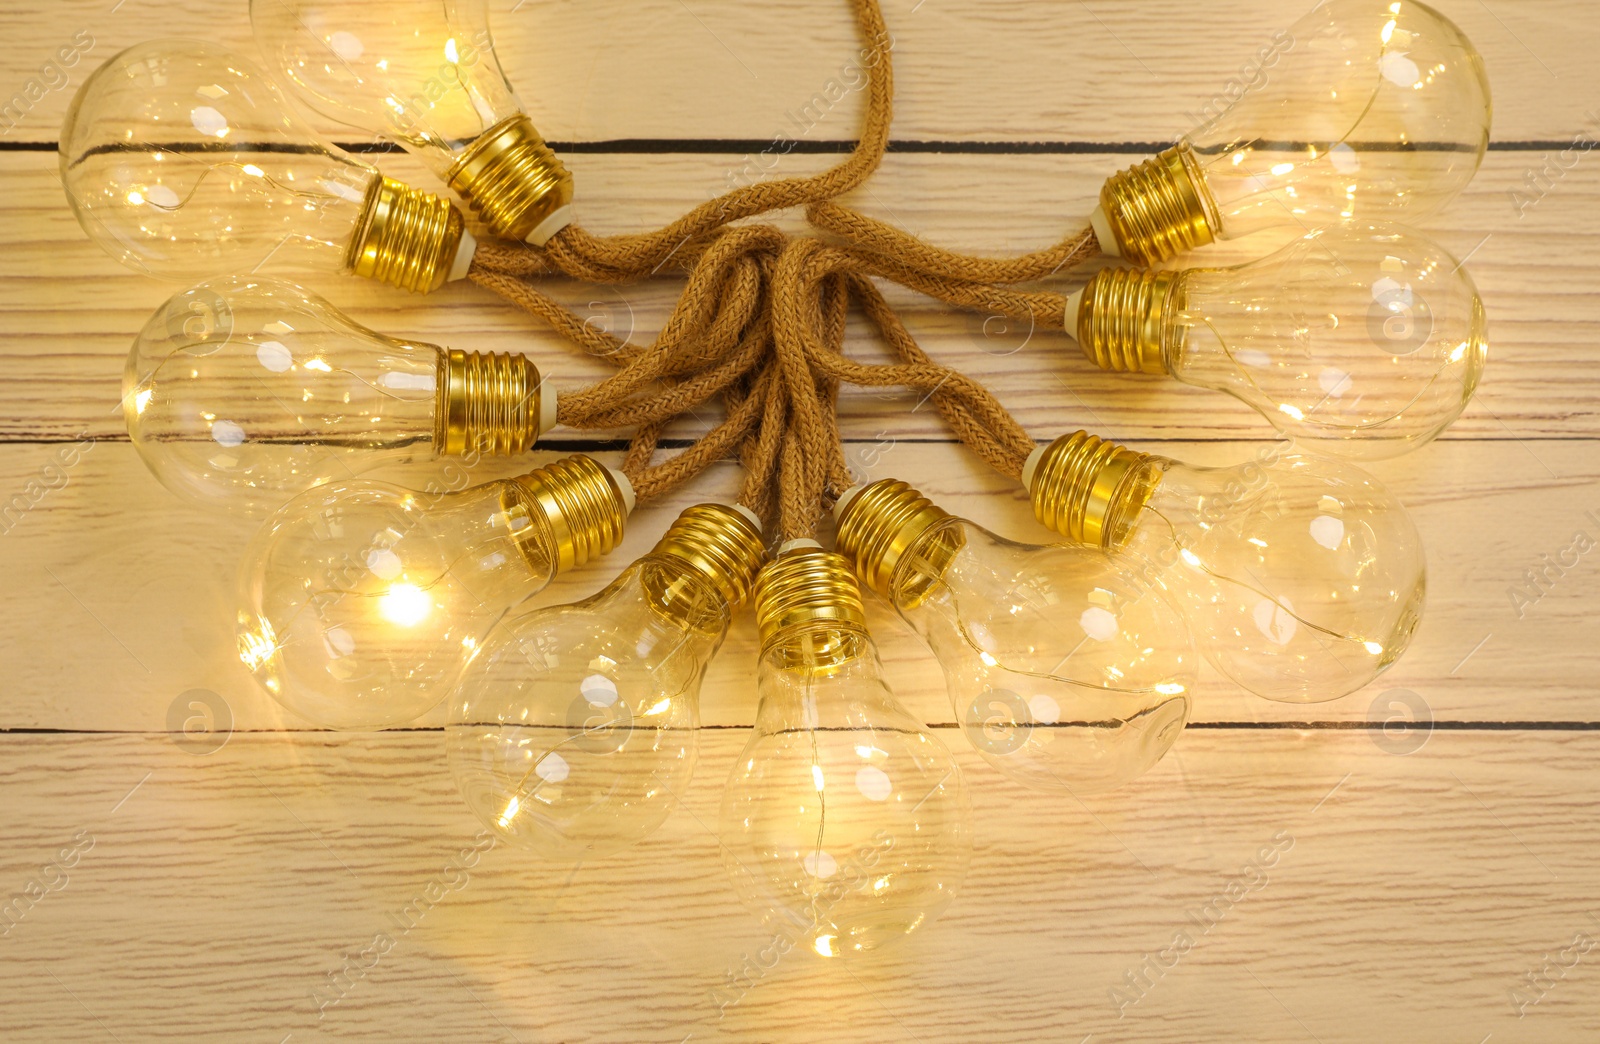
[
  {"x": 1302, "y": 579},
  {"x": 1359, "y": 340},
  {"x": 241, "y": 392},
  {"x": 183, "y": 160},
  {"x": 845, "y": 821},
  {"x": 1374, "y": 110},
  {"x": 426, "y": 76},
  {"x": 575, "y": 729},
  {"x": 1065, "y": 670},
  {"x": 361, "y": 602}
]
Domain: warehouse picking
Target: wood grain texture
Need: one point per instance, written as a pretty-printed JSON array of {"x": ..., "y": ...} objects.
[{"x": 221, "y": 889}]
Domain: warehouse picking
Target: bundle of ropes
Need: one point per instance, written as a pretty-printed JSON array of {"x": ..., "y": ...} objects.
[{"x": 761, "y": 324}]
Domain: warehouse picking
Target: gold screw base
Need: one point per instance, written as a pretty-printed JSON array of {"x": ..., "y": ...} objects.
[
  {"x": 719, "y": 542},
  {"x": 1090, "y": 490},
  {"x": 1122, "y": 319},
  {"x": 511, "y": 178},
  {"x": 808, "y": 609},
  {"x": 405, "y": 237},
  {"x": 898, "y": 541},
  {"x": 489, "y": 403},
  {"x": 1158, "y": 209},
  {"x": 583, "y": 504}
]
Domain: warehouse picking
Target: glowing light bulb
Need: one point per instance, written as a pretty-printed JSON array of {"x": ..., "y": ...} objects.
[
  {"x": 1302, "y": 579},
  {"x": 575, "y": 730},
  {"x": 427, "y": 77},
  {"x": 845, "y": 821},
  {"x": 1360, "y": 340},
  {"x": 1374, "y": 110},
  {"x": 1066, "y": 669},
  {"x": 361, "y": 602},
  {"x": 242, "y": 392},
  {"x": 183, "y": 160}
]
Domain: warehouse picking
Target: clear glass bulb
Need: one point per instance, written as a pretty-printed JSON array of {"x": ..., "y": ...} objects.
[
  {"x": 361, "y": 602},
  {"x": 183, "y": 160},
  {"x": 241, "y": 392},
  {"x": 426, "y": 76},
  {"x": 1358, "y": 340},
  {"x": 575, "y": 729},
  {"x": 1372, "y": 109},
  {"x": 1066, "y": 668},
  {"x": 1302, "y": 579},
  {"x": 844, "y": 821}
]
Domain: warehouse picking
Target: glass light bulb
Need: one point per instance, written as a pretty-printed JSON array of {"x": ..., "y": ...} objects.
[
  {"x": 1065, "y": 668},
  {"x": 361, "y": 602},
  {"x": 575, "y": 729},
  {"x": 1359, "y": 340},
  {"x": 844, "y": 821},
  {"x": 241, "y": 392},
  {"x": 1373, "y": 110},
  {"x": 183, "y": 160},
  {"x": 426, "y": 76},
  {"x": 1303, "y": 579}
]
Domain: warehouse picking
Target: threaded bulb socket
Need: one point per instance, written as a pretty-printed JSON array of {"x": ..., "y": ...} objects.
[
  {"x": 1122, "y": 323},
  {"x": 1089, "y": 490},
  {"x": 1159, "y": 209},
  {"x": 511, "y": 178},
  {"x": 808, "y": 609},
  {"x": 404, "y": 237},
  {"x": 719, "y": 542},
  {"x": 489, "y": 402},
  {"x": 898, "y": 541},
  {"x": 582, "y": 504}
]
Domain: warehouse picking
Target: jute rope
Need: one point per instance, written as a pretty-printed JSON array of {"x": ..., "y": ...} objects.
[{"x": 761, "y": 325}]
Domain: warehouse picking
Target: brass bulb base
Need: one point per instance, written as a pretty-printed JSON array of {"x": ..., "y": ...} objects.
[
  {"x": 404, "y": 237},
  {"x": 489, "y": 403},
  {"x": 1122, "y": 322},
  {"x": 511, "y": 178},
  {"x": 1159, "y": 209},
  {"x": 582, "y": 503},
  {"x": 898, "y": 541},
  {"x": 808, "y": 610},
  {"x": 721, "y": 544},
  {"x": 1089, "y": 490}
]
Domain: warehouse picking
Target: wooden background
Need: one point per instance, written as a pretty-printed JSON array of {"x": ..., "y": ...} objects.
[{"x": 1430, "y": 871}]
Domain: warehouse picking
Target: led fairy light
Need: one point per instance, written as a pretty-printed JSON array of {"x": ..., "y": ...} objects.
[
  {"x": 183, "y": 160},
  {"x": 361, "y": 602},
  {"x": 845, "y": 820},
  {"x": 242, "y": 392},
  {"x": 1376, "y": 110},
  {"x": 576, "y": 728},
  {"x": 1303, "y": 579},
  {"x": 1362, "y": 340},
  {"x": 425, "y": 75},
  {"x": 1064, "y": 668}
]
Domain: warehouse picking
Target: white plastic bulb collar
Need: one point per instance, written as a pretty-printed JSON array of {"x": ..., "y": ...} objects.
[
  {"x": 1074, "y": 304},
  {"x": 465, "y": 251},
  {"x": 790, "y": 545},
  {"x": 755, "y": 519},
  {"x": 1029, "y": 466},
  {"x": 843, "y": 503},
  {"x": 625, "y": 487},
  {"x": 1102, "y": 232},
  {"x": 547, "y": 407},
  {"x": 559, "y": 219}
]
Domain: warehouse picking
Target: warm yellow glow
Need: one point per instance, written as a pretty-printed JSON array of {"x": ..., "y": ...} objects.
[
  {"x": 253, "y": 170},
  {"x": 135, "y": 197},
  {"x": 1189, "y": 557},
  {"x": 1387, "y": 31},
  {"x": 1374, "y": 648},
  {"x": 1281, "y": 169},
  {"x": 510, "y": 812},
  {"x": 405, "y": 604},
  {"x": 452, "y": 55},
  {"x": 824, "y": 945},
  {"x": 1294, "y": 411},
  {"x": 141, "y": 400},
  {"x": 320, "y": 365},
  {"x": 256, "y": 649},
  {"x": 661, "y": 707},
  {"x": 816, "y": 777},
  {"x": 1169, "y": 688}
]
